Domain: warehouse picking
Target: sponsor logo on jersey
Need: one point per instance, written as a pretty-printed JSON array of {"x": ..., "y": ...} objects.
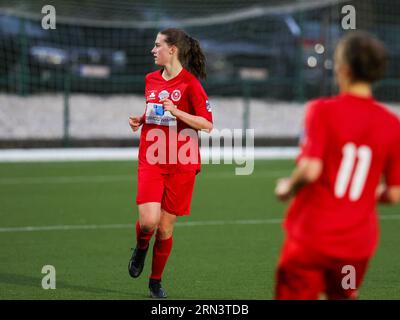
[
  {"x": 208, "y": 106},
  {"x": 176, "y": 95},
  {"x": 155, "y": 114},
  {"x": 152, "y": 95},
  {"x": 163, "y": 95}
]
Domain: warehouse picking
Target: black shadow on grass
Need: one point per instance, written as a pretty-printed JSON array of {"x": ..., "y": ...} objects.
[{"x": 28, "y": 281}]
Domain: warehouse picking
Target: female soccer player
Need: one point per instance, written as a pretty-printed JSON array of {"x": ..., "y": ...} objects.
[
  {"x": 350, "y": 142},
  {"x": 169, "y": 159}
]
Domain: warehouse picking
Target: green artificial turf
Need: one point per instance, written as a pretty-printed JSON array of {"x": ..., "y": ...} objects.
[{"x": 229, "y": 253}]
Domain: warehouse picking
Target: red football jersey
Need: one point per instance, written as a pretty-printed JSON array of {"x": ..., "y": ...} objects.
[
  {"x": 357, "y": 140},
  {"x": 164, "y": 141}
]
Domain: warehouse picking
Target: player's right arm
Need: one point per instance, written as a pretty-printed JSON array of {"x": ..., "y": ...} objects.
[
  {"x": 388, "y": 195},
  {"x": 310, "y": 161},
  {"x": 135, "y": 122},
  {"x": 307, "y": 171}
]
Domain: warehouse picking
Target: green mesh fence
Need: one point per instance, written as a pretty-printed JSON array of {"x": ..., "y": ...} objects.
[{"x": 265, "y": 49}]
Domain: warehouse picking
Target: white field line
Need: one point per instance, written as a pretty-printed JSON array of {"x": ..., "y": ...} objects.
[
  {"x": 66, "y": 179},
  {"x": 178, "y": 224},
  {"x": 114, "y": 154},
  {"x": 126, "y": 178}
]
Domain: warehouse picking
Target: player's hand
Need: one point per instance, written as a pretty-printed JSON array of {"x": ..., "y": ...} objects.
[
  {"x": 135, "y": 122},
  {"x": 283, "y": 189},
  {"x": 169, "y": 106},
  {"x": 380, "y": 190}
]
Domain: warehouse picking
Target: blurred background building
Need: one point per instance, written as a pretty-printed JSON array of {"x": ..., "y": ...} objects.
[{"x": 76, "y": 85}]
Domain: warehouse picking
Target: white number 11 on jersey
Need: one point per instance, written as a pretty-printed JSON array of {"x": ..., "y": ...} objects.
[{"x": 350, "y": 154}]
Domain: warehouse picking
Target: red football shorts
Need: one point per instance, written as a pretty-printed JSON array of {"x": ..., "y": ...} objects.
[
  {"x": 305, "y": 275},
  {"x": 173, "y": 190}
]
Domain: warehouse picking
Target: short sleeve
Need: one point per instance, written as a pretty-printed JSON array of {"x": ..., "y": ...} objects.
[
  {"x": 199, "y": 101},
  {"x": 392, "y": 168},
  {"x": 314, "y": 138},
  {"x": 143, "y": 117}
]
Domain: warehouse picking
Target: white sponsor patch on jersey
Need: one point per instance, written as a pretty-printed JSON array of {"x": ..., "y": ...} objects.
[{"x": 155, "y": 114}]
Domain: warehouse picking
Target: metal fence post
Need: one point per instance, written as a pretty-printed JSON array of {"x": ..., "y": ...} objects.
[
  {"x": 246, "y": 105},
  {"x": 66, "y": 114},
  {"x": 300, "y": 72},
  {"x": 22, "y": 71}
]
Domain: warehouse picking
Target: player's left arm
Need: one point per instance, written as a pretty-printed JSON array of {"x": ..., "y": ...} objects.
[
  {"x": 307, "y": 171},
  {"x": 196, "y": 122}
]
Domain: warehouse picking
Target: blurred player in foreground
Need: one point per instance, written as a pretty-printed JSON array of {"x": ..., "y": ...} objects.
[
  {"x": 169, "y": 159},
  {"x": 350, "y": 141}
]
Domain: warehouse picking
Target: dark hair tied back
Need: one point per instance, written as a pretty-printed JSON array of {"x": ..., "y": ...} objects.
[{"x": 190, "y": 53}]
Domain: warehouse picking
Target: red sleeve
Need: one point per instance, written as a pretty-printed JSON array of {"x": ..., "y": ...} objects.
[
  {"x": 199, "y": 101},
  {"x": 392, "y": 168},
  {"x": 143, "y": 117},
  {"x": 314, "y": 140}
]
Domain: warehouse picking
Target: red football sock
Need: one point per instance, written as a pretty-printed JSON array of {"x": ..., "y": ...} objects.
[
  {"x": 142, "y": 238},
  {"x": 161, "y": 251}
]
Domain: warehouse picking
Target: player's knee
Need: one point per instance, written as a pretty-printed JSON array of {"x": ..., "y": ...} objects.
[
  {"x": 149, "y": 224},
  {"x": 147, "y": 228},
  {"x": 164, "y": 232}
]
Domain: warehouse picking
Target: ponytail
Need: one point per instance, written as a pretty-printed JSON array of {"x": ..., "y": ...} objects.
[{"x": 196, "y": 62}]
